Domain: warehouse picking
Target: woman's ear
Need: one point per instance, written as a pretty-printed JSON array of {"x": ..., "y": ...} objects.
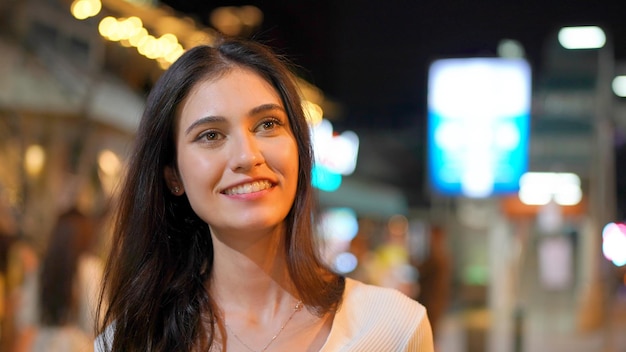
[{"x": 172, "y": 181}]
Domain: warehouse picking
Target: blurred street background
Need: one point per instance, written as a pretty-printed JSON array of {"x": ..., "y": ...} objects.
[{"x": 494, "y": 193}]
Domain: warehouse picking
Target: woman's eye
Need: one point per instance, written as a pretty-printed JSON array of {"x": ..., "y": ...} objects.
[
  {"x": 210, "y": 136},
  {"x": 270, "y": 124}
]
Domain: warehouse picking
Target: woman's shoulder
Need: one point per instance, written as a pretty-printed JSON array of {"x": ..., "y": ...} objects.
[
  {"x": 373, "y": 300},
  {"x": 104, "y": 339},
  {"x": 373, "y": 318},
  {"x": 66, "y": 338}
]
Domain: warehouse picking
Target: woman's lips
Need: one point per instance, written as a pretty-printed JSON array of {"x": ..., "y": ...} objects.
[{"x": 249, "y": 187}]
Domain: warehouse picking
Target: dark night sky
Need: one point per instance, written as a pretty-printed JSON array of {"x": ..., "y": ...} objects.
[{"x": 373, "y": 57}]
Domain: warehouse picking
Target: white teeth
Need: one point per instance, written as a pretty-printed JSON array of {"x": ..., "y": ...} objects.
[{"x": 249, "y": 187}]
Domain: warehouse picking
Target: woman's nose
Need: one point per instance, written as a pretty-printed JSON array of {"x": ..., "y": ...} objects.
[{"x": 246, "y": 153}]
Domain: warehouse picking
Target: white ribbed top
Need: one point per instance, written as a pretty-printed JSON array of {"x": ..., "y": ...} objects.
[
  {"x": 377, "y": 319},
  {"x": 370, "y": 319}
]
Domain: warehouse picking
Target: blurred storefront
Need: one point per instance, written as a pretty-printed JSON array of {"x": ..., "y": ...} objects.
[{"x": 56, "y": 150}]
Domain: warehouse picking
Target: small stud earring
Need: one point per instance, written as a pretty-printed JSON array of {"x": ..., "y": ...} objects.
[{"x": 176, "y": 189}]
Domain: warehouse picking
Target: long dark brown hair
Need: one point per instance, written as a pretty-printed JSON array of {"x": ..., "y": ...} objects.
[{"x": 161, "y": 257}]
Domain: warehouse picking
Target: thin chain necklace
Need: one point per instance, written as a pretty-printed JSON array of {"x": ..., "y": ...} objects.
[{"x": 296, "y": 309}]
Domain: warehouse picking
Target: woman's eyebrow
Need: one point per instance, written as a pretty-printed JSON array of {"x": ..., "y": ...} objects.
[
  {"x": 213, "y": 119},
  {"x": 204, "y": 120},
  {"x": 266, "y": 107}
]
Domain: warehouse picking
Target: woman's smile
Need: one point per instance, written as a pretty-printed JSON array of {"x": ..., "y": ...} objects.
[{"x": 247, "y": 188}]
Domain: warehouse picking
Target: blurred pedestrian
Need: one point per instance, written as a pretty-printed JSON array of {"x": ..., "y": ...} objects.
[
  {"x": 58, "y": 308},
  {"x": 436, "y": 278},
  {"x": 6, "y": 316},
  {"x": 17, "y": 260},
  {"x": 390, "y": 265}
]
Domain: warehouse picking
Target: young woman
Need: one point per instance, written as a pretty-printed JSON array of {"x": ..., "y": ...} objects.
[{"x": 214, "y": 247}]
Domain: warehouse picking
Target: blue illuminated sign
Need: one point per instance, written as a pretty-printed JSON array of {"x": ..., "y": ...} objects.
[
  {"x": 478, "y": 125},
  {"x": 325, "y": 179}
]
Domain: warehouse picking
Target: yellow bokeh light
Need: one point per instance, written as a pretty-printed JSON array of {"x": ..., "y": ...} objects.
[
  {"x": 109, "y": 162},
  {"x": 166, "y": 44},
  {"x": 169, "y": 38},
  {"x": 134, "y": 22},
  {"x": 174, "y": 54},
  {"x": 83, "y": 9},
  {"x": 34, "y": 159},
  {"x": 148, "y": 47},
  {"x": 129, "y": 27},
  {"x": 136, "y": 38},
  {"x": 250, "y": 15},
  {"x": 130, "y": 32},
  {"x": 226, "y": 20},
  {"x": 106, "y": 26},
  {"x": 313, "y": 112}
]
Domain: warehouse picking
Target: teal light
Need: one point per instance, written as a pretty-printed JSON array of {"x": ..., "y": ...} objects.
[{"x": 325, "y": 179}]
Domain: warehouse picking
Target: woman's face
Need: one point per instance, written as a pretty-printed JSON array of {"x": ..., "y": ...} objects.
[{"x": 237, "y": 156}]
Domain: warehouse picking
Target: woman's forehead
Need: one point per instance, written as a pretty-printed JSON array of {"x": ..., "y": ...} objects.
[{"x": 236, "y": 87}]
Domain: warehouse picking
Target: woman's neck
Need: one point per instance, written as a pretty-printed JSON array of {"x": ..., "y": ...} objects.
[{"x": 250, "y": 274}]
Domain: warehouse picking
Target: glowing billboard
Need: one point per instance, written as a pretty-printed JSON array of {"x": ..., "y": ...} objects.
[
  {"x": 335, "y": 155},
  {"x": 478, "y": 125}
]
